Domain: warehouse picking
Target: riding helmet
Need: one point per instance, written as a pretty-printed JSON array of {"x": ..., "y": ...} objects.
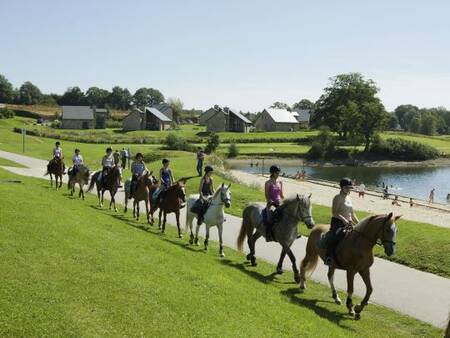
[
  {"x": 139, "y": 155},
  {"x": 345, "y": 182},
  {"x": 208, "y": 168},
  {"x": 164, "y": 161},
  {"x": 108, "y": 149},
  {"x": 77, "y": 150},
  {"x": 57, "y": 143},
  {"x": 274, "y": 169}
]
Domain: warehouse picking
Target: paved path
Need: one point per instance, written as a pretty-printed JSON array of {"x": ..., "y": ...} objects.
[{"x": 419, "y": 294}]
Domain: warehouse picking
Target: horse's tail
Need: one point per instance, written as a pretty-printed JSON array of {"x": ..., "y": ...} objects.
[
  {"x": 309, "y": 262},
  {"x": 93, "y": 180},
  {"x": 244, "y": 228}
]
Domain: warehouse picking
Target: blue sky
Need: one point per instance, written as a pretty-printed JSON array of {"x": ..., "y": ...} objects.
[{"x": 244, "y": 54}]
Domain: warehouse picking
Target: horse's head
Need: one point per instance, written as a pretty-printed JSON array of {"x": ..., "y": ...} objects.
[
  {"x": 304, "y": 210},
  {"x": 148, "y": 178},
  {"x": 180, "y": 189},
  {"x": 388, "y": 233},
  {"x": 225, "y": 195}
]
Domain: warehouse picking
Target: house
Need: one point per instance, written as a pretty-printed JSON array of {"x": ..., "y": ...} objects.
[
  {"x": 100, "y": 114},
  {"x": 83, "y": 117},
  {"x": 272, "y": 119},
  {"x": 207, "y": 114},
  {"x": 225, "y": 119},
  {"x": 165, "y": 109},
  {"x": 303, "y": 116},
  {"x": 150, "y": 119}
]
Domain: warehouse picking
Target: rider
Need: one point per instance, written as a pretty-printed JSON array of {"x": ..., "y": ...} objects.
[
  {"x": 274, "y": 196},
  {"x": 77, "y": 161},
  {"x": 107, "y": 164},
  {"x": 205, "y": 190},
  {"x": 137, "y": 169},
  {"x": 342, "y": 215},
  {"x": 57, "y": 155}
]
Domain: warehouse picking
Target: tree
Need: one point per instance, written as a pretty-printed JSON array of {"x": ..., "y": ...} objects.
[
  {"x": 372, "y": 117},
  {"x": 147, "y": 97},
  {"x": 119, "y": 98},
  {"x": 6, "y": 90},
  {"x": 47, "y": 100},
  {"x": 73, "y": 96},
  {"x": 29, "y": 93},
  {"x": 392, "y": 122},
  {"x": 280, "y": 105},
  {"x": 177, "y": 107},
  {"x": 97, "y": 97},
  {"x": 405, "y": 113},
  {"x": 303, "y": 104},
  {"x": 212, "y": 143},
  {"x": 345, "y": 94},
  {"x": 429, "y": 123}
]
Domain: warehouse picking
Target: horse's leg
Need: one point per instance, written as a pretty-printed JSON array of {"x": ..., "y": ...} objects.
[
  {"x": 206, "y": 238},
  {"x": 136, "y": 203},
  {"x": 220, "y": 230},
  {"x": 294, "y": 263},
  {"x": 349, "y": 302},
  {"x": 177, "y": 216},
  {"x": 113, "y": 200},
  {"x": 101, "y": 201},
  {"x": 163, "y": 229},
  {"x": 334, "y": 294},
  {"x": 251, "y": 240},
  {"x": 51, "y": 179},
  {"x": 280, "y": 262},
  {"x": 60, "y": 181},
  {"x": 365, "y": 275},
  {"x": 159, "y": 218},
  {"x": 197, "y": 228},
  {"x": 126, "y": 203},
  {"x": 147, "y": 210}
]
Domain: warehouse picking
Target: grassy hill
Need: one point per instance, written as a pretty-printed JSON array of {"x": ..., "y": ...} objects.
[{"x": 69, "y": 269}]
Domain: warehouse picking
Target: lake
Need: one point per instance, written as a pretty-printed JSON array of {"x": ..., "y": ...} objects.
[{"x": 415, "y": 182}]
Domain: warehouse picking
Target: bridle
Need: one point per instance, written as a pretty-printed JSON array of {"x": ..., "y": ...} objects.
[
  {"x": 223, "y": 198},
  {"x": 377, "y": 241}
]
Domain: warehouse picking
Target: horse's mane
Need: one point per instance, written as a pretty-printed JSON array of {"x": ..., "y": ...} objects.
[{"x": 362, "y": 224}]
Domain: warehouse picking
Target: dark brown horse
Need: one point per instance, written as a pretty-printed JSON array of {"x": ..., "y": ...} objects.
[
  {"x": 111, "y": 183},
  {"x": 174, "y": 196},
  {"x": 81, "y": 177},
  {"x": 354, "y": 254},
  {"x": 141, "y": 193},
  {"x": 56, "y": 167}
]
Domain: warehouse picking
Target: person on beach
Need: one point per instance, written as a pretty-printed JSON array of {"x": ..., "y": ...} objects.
[
  {"x": 431, "y": 197},
  {"x": 274, "y": 196},
  {"x": 343, "y": 215},
  {"x": 385, "y": 192},
  {"x": 411, "y": 203},
  {"x": 396, "y": 202},
  {"x": 361, "y": 190}
]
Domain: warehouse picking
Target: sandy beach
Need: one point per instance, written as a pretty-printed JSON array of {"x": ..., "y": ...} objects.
[{"x": 323, "y": 194}]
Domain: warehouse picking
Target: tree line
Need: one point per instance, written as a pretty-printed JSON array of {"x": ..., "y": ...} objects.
[{"x": 117, "y": 98}]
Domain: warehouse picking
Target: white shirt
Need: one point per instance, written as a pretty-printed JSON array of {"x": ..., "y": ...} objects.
[
  {"x": 362, "y": 187},
  {"x": 77, "y": 159},
  {"x": 57, "y": 152},
  {"x": 108, "y": 161},
  {"x": 344, "y": 206}
]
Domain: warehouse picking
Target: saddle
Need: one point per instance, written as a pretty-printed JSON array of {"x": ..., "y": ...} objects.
[
  {"x": 325, "y": 238},
  {"x": 200, "y": 206},
  {"x": 271, "y": 217}
]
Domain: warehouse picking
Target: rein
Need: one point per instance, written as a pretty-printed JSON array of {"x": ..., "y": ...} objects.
[{"x": 377, "y": 241}]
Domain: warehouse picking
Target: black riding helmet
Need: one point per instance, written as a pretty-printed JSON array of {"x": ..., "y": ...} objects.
[
  {"x": 274, "y": 169},
  {"x": 57, "y": 143},
  {"x": 164, "y": 161},
  {"x": 345, "y": 182},
  {"x": 208, "y": 168},
  {"x": 139, "y": 155},
  {"x": 108, "y": 149}
]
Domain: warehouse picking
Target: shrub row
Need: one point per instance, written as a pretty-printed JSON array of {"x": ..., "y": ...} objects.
[
  {"x": 6, "y": 113},
  {"x": 400, "y": 149}
]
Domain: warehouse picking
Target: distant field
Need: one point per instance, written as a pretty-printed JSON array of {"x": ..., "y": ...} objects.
[
  {"x": 442, "y": 143},
  {"x": 50, "y": 111}
]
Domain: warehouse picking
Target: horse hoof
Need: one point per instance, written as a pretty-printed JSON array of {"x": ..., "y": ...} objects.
[
  {"x": 337, "y": 301},
  {"x": 253, "y": 261},
  {"x": 196, "y": 242},
  {"x": 357, "y": 316},
  {"x": 297, "y": 279},
  {"x": 279, "y": 271},
  {"x": 115, "y": 209},
  {"x": 302, "y": 285},
  {"x": 222, "y": 254},
  {"x": 191, "y": 241},
  {"x": 180, "y": 235},
  {"x": 249, "y": 257}
]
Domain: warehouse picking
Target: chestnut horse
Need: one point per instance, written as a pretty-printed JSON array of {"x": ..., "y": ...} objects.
[
  {"x": 174, "y": 196},
  {"x": 81, "y": 177},
  {"x": 56, "y": 167},
  {"x": 354, "y": 254},
  {"x": 141, "y": 193},
  {"x": 111, "y": 183}
]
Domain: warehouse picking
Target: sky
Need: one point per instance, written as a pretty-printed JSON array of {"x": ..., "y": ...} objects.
[{"x": 244, "y": 54}]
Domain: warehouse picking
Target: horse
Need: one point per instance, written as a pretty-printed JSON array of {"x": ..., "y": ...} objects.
[
  {"x": 111, "y": 183},
  {"x": 56, "y": 167},
  {"x": 81, "y": 177},
  {"x": 354, "y": 253},
  {"x": 173, "y": 197},
  {"x": 214, "y": 216},
  {"x": 141, "y": 193},
  {"x": 285, "y": 231}
]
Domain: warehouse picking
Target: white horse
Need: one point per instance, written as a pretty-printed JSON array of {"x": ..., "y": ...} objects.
[{"x": 214, "y": 216}]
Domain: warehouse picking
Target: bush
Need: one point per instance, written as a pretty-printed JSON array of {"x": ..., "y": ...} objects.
[
  {"x": 113, "y": 123},
  {"x": 324, "y": 146},
  {"x": 212, "y": 143},
  {"x": 56, "y": 124},
  {"x": 233, "y": 150},
  {"x": 176, "y": 142},
  {"x": 400, "y": 149},
  {"x": 6, "y": 113}
]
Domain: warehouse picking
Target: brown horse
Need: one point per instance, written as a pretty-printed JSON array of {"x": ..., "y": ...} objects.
[
  {"x": 56, "y": 167},
  {"x": 111, "y": 183},
  {"x": 174, "y": 196},
  {"x": 81, "y": 177},
  {"x": 141, "y": 193},
  {"x": 354, "y": 254}
]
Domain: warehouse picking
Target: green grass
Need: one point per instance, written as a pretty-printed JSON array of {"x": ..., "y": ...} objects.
[
  {"x": 69, "y": 269},
  {"x": 420, "y": 245},
  {"x": 441, "y": 143}
]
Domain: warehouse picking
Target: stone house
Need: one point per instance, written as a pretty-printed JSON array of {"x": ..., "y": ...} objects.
[
  {"x": 83, "y": 117},
  {"x": 207, "y": 114},
  {"x": 226, "y": 119},
  {"x": 303, "y": 116},
  {"x": 149, "y": 119},
  {"x": 272, "y": 119}
]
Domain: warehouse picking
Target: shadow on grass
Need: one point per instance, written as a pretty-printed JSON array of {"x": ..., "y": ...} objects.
[{"x": 335, "y": 317}]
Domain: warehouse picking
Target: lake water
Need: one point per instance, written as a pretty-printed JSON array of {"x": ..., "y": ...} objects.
[{"x": 406, "y": 181}]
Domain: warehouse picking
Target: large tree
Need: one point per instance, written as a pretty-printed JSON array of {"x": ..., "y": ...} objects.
[
  {"x": 280, "y": 105},
  {"x": 371, "y": 118},
  {"x": 147, "y": 97},
  {"x": 303, "y": 104},
  {"x": 97, "y": 97},
  {"x": 344, "y": 100},
  {"x": 177, "y": 107},
  {"x": 119, "y": 98},
  {"x": 6, "y": 90},
  {"x": 73, "y": 96},
  {"x": 405, "y": 113},
  {"x": 29, "y": 93}
]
